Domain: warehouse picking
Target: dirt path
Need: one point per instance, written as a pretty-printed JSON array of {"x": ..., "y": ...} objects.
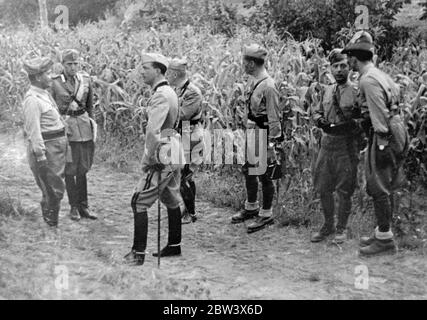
[{"x": 219, "y": 261}]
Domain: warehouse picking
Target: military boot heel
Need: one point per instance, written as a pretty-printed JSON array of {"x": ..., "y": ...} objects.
[
  {"x": 134, "y": 258},
  {"x": 379, "y": 247},
  {"x": 366, "y": 241},
  {"x": 169, "y": 251},
  {"x": 74, "y": 214},
  {"x": 323, "y": 234},
  {"x": 244, "y": 215}
]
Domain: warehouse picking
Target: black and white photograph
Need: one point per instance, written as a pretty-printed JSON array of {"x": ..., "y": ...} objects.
[{"x": 213, "y": 156}]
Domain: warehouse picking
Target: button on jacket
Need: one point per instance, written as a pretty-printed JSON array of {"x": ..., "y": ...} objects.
[{"x": 79, "y": 126}]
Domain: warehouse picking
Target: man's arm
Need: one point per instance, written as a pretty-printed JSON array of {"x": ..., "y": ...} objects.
[
  {"x": 376, "y": 102},
  {"x": 157, "y": 115},
  {"x": 191, "y": 105},
  {"x": 89, "y": 102},
  {"x": 32, "y": 116},
  {"x": 272, "y": 104}
]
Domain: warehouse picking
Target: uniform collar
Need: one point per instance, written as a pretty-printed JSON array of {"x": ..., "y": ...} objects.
[
  {"x": 39, "y": 90},
  {"x": 262, "y": 75},
  {"x": 160, "y": 83},
  {"x": 366, "y": 68}
]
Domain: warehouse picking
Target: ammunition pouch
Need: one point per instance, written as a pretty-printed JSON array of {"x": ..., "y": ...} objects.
[{"x": 261, "y": 121}]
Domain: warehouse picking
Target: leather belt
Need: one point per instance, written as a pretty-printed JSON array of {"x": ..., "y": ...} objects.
[
  {"x": 76, "y": 113},
  {"x": 53, "y": 134},
  {"x": 192, "y": 122}
]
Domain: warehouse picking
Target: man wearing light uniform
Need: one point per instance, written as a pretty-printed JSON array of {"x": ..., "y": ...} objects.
[
  {"x": 47, "y": 143},
  {"x": 379, "y": 97},
  {"x": 263, "y": 115},
  {"x": 162, "y": 113}
]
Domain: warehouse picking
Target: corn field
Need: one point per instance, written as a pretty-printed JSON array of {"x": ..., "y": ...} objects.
[{"x": 111, "y": 55}]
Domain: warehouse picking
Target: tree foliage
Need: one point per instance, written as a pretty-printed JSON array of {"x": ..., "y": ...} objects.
[
  {"x": 322, "y": 19},
  {"x": 14, "y": 12}
]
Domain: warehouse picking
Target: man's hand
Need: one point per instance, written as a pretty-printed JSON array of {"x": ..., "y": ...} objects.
[
  {"x": 324, "y": 124},
  {"x": 384, "y": 157}
]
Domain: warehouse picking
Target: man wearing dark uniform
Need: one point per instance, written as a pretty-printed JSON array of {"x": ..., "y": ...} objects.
[
  {"x": 72, "y": 91},
  {"x": 388, "y": 140},
  {"x": 263, "y": 115},
  {"x": 160, "y": 176},
  {"x": 336, "y": 166},
  {"x": 47, "y": 143},
  {"x": 190, "y": 127}
]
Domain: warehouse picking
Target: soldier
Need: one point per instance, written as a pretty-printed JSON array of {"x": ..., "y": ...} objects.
[
  {"x": 47, "y": 143},
  {"x": 388, "y": 140},
  {"x": 263, "y": 114},
  {"x": 190, "y": 114},
  {"x": 162, "y": 112},
  {"x": 336, "y": 166},
  {"x": 72, "y": 91}
]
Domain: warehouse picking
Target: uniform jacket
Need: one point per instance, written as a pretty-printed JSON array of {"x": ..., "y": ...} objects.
[
  {"x": 162, "y": 114},
  {"x": 190, "y": 101},
  {"x": 265, "y": 101},
  {"x": 348, "y": 95},
  {"x": 79, "y": 127},
  {"x": 378, "y": 92},
  {"x": 41, "y": 115}
]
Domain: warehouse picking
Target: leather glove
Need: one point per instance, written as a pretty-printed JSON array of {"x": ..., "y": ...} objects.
[
  {"x": 158, "y": 167},
  {"x": 324, "y": 124},
  {"x": 384, "y": 157}
]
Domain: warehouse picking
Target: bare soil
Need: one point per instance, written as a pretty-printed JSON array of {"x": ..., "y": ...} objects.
[{"x": 219, "y": 260}]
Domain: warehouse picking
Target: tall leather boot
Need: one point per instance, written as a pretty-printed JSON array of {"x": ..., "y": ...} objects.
[
  {"x": 188, "y": 189},
  {"x": 73, "y": 198},
  {"x": 173, "y": 248},
  {"x": 137, "y": 255},
  {"x": 81, "y": 185},
  {"x": 328, "y": 208}
]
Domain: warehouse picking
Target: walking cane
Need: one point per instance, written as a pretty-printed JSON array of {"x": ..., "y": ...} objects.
[{"x": 158, "y": 219}]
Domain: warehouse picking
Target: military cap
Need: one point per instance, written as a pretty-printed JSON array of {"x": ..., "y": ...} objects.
[
  {"x": 255, "y": 51},
  {"x": 155, "y": 57},
  {"x": 336, "y": 55},
  {"x": 37, "y": 65},
  {"x": 178, "y": 64},
  {"x": 70, "y": 55},
  {"x": 362, "y": 41}
]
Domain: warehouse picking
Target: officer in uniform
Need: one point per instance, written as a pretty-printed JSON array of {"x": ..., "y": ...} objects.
[
  {"x": 72, "y": 91},
  {"x": 387, "y": 146},
  {"x": 336, "y": 166},
  {"x": 47, "y": 143},
  {"x": 190, "y": 127},
  {"x": 160, "y": 178},
  {"x": 263, "y": 115}
]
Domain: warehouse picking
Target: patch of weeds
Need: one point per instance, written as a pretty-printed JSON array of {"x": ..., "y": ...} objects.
[{"x": 10, "y": 207}]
